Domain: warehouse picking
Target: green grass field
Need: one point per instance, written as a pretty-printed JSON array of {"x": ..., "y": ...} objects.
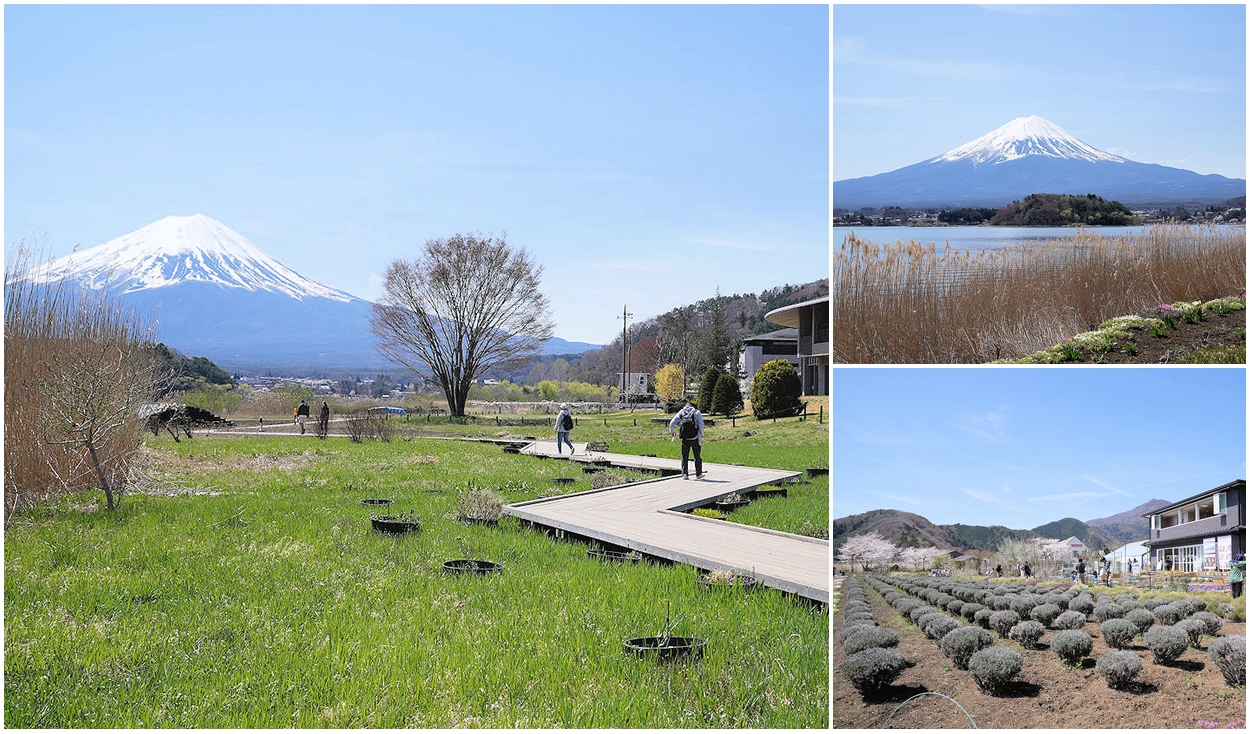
[{"x": 246, "y": 590}]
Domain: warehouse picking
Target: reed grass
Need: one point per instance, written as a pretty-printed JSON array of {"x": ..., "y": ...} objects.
[{"x": 913, "y": 303}]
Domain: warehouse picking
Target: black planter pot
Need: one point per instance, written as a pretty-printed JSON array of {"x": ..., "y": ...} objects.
[
  {"x": 376, "y": 502},
  {"x": 602, "y": 462},
  {"x": 613, "y": 556},
  {"x": 817, "y": 473},
  {"x": 727, "y": 507},
  {"x": 670, "y": 472},
  {"x": 761, "y": 494},
  {"x": 666, "y": 649},
  {"x": 395, "y": 525},
  {"x": 562, "y": 480},
  {"x": 743, "y": 583},
  {"x": 511, "y": 450},
  {"x": 472, "y": 567},
  {"x": 591, "y": 469}
]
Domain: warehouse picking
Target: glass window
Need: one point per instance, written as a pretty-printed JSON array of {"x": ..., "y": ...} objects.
[
  {"x": 1168, "y": 520},
  {"x": 1186, "y": 559},
  {"x": 1189, "y": 514},
  {"x": 1206, "y": 508},
  {"x": 1221, "y": 504}
]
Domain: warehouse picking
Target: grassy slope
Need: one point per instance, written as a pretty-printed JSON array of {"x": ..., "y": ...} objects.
[{"x": 272, "y": 605}]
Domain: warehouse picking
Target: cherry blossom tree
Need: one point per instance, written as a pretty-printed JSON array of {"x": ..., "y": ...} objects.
[{"x": 869, "y": 549}]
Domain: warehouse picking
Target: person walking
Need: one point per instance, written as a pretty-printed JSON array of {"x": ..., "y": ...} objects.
[
  {"x": 1080, "y": 570},
  {"x": 323, "y": 420},
  {"x": 564, "y": 424},
  {"x": 301, "y": 415},
  {"x": 998, "y": 570},
  {"x": 688, "y": 423},
  {"x": 1237, "y": 574},
  {"x": 1027, "y": 571}
]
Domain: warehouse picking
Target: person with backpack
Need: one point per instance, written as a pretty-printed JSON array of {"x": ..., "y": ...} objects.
[
  {"x": 688, "y": 423},
  {"x": 301, "y": 415},
  {"x": 564, "y": 424}
]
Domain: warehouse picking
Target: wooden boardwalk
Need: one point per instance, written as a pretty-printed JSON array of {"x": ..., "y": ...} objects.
[{"x": 647, "y": 517}]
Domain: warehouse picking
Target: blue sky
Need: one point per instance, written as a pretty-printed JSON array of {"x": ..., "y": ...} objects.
[
  {"x": 1159, "y": 84},
  {"x": 1022, "y": 447},
  {"x": 643, "y": 154}
]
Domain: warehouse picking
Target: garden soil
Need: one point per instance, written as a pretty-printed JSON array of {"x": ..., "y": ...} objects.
[
  {"x": 1045, "y": 695},
  {"x": 1215, "y": 331}
]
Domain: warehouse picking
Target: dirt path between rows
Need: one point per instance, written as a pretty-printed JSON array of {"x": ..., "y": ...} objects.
[{"x": 1045, "y": 695}]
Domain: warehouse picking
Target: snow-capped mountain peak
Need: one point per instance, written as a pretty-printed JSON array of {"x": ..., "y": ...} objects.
[
  {"x": 178, "y": 250},
  {"x": 1026, "y": 136}
]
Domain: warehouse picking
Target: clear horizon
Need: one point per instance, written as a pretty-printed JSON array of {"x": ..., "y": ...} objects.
[
  {"x": 1022, "y": 447},
  {"x": 644, "y": 155},
  {"x": 1166, "y": 85}
]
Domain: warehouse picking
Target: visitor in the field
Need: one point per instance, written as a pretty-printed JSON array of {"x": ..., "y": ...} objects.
[
  {"x": 688, "y": 423},
  {"x": 301, "y": 415},
  {"x": 1237, "y": 574},
  {"x": 564, "y": 424}
]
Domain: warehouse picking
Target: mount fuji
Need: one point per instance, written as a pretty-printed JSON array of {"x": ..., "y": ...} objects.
[
  {"x": 1030, "y": 155},
  {"x": 215, "y": 294}
]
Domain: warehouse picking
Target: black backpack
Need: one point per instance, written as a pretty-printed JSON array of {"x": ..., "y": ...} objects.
[
  {"x": 688, "y": 428},
  {"x": 566, "y": 422}
]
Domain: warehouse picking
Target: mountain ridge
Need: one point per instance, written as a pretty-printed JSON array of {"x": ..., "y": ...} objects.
[{"x": 1025, "y": 156}]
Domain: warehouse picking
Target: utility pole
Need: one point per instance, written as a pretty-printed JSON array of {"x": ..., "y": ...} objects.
[{"x": 625, "y": 314}]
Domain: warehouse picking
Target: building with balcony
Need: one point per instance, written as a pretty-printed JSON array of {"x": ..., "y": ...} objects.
[
  {"x": 1199, "y": 533},
  {"x": 811, "y": 319}
]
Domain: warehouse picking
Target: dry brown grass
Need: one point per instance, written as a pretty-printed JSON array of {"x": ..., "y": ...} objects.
[
  {"x": 910, "y": 303},
  {"x": 45, "y": 327}
]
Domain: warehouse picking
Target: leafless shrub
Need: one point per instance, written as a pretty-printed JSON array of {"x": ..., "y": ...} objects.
[
  {"x": 75, "y": 373},
  {"x": 910, "y": 303}
]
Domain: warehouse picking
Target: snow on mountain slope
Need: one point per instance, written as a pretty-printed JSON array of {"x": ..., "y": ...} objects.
[
  {"x": 1025, "y": 136},
  {"x": 176, "y": 250}
]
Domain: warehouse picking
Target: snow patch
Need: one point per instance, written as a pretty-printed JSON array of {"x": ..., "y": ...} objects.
[{"x": 1025, "y": 136}]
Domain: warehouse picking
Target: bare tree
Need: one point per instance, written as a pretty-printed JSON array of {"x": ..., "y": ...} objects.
[
  {"x": 467, "y": 305},
  {"x": 92, "y": 392}
]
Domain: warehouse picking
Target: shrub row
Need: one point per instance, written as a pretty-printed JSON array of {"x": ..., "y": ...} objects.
[{"x": 872, "y": 661}]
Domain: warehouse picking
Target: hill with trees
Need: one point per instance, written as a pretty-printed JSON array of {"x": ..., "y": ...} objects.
[{"x": 1055, "y": 210}]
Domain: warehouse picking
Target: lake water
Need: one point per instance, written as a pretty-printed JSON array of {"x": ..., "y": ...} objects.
[{"x": 968, "y": 238}]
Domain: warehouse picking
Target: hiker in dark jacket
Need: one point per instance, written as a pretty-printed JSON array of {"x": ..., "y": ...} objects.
[
  {"x": 1080, "y": 571},
  {"x": 301, "y": 415},
  {"x": 1237, "y": 574},
  {"x": 689, "y": 424},
  {"x": 564, "y": 424},
  {"x": 323, "y": 420}
]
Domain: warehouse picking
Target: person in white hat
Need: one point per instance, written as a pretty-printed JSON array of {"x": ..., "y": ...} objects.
[{"x": 564, "y": 424}]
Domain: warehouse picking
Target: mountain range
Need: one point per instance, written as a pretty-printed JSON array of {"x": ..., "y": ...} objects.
[
  {"x": 910, "y": 530},
  {"x": 216, "y": 294},
  {"x": 1030, "y": 155}
]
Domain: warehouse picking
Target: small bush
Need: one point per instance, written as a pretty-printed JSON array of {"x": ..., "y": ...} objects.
[
  {"x": 858, "y": 618},
  {"x": 1166, "y": 643},
  {"x": 856, "y": 606},
  {"x": 982, "y": 617},
  {"x": 1027, "y": 633},
  {"x": 939, "y": 627},
  {"x": 1210, "y": 622},
  {"x": 1122, "y": 599},
  {"x": 874, "y": 668},
  {"x": 1071, "y": 646},
  {"x": 959, "y": 644},
  {"x": 853, "y": 629},
  {"x": 922, "y": 617},
  {"x": 970, "y": 610},
  {"x": 1226, "y": 609},
  {"x": 1196, "y": 604},
  {"x": 1118, "y": 633},
  {"x": 1002, "y": 622},
  {"x": 999, "y": 603},
  {"x": 1155, "y": 603},
  {"x": 1129, "y": 605},
  {"x": 1071, "y": 621},
  {"x": 954, "y": 605},
  {"x": 994, "y": 667},
  {"x": 1141, "y": 618},
  {"x": 1024, "y": 604},
  {"x": 903, "y": 606},
  {"x": 1082, "y": 604},
  {"x": 1108, "y": 610},
  {"x": 871, "y": 637},
  {"x": 776, "y": 390},
  {"x": 1169, "y": 614},
  {"x": 1118, "y": 667},
  {"x": 1193, "y": 628},
  {"x": 1045, "y": 614},
  {"x": 1229, "y": 653}
]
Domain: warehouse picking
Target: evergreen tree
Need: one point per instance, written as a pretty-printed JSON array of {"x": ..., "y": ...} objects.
[
  {"x": 727, "y": 397},
  {"x": 707, "y": 388},
  {"x": 776, "y": 389}
]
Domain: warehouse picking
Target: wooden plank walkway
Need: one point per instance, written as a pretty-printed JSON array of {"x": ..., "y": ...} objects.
[{"x": 646, "y": 517}]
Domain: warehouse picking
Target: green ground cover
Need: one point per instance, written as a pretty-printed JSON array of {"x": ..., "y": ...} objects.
[{"x": 246, "y": 590}]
